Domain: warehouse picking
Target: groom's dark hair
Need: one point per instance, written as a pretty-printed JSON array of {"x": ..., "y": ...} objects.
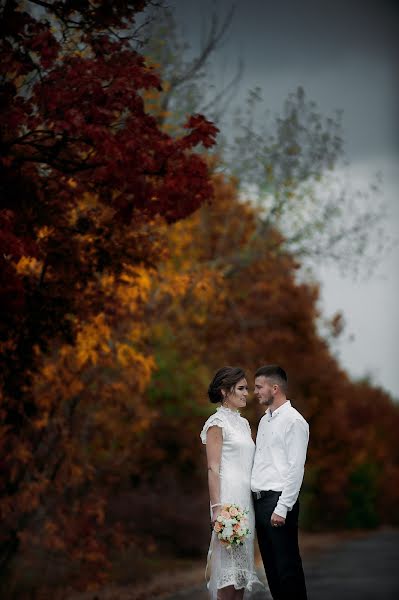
[{"x": 276, "y": 374}]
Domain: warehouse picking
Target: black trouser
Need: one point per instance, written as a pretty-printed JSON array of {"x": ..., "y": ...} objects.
[{"x": 279, "y": 549}]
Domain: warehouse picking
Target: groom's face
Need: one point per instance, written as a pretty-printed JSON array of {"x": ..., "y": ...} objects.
[{"x": 264, "y": 390}]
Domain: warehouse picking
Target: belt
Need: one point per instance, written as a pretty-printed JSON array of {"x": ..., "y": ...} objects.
[{"x": 264, "y": 494}]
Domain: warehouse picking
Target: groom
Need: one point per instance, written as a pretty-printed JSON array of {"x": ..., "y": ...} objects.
[{"x": 277, "y": 474}]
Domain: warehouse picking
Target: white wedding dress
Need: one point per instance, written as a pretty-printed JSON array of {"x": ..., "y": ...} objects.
[{"x": 235, "y": 566}]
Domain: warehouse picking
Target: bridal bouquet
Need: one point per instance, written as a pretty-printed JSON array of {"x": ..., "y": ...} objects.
[{"x": 231, "y": 525}]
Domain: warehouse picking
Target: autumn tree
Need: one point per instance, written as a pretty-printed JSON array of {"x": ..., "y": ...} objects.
[
  {"x": 189, "y": 85},
  {"x": 243, "y": 304},
  {"x": 87, "y": 176},
  {"x": 288, "y": 205},
  {"x": 123, "y": 290}
]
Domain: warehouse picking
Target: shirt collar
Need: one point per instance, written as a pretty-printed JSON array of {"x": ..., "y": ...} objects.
[{"x": 278, "y": 410}]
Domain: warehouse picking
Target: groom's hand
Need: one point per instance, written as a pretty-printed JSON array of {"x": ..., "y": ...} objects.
[{"x": 276, "y": 520}]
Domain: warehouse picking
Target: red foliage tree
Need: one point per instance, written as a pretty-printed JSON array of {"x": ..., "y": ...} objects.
[{"x": 85, "y": 171}]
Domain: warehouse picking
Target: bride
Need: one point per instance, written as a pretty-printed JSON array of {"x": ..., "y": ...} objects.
[{"x": 230, "y": 452}]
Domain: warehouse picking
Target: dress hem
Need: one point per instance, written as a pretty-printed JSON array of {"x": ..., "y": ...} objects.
[{"x": 247, "y": 586}]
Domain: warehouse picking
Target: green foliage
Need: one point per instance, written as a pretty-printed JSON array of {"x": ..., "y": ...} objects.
[
  {"x": 311, "y": 510},
  {"x": 176, "y": 379},
  {"x": 362, "y": 495}
]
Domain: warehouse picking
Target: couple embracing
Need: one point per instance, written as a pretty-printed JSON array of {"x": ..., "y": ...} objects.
[{"x": 264, "y": 479}]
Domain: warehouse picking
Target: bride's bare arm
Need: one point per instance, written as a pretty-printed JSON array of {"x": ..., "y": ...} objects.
[{"x": 214, "y": 443}]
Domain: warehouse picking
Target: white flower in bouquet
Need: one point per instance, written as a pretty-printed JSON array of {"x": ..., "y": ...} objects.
[{"x": 231, "y": 525}]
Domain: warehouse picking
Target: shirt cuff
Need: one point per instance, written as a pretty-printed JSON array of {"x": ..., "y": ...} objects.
[{"x": 281, "y": 510}]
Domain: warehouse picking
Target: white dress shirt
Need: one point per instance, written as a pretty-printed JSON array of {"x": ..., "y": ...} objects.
[{"x": 280, "y": 455}]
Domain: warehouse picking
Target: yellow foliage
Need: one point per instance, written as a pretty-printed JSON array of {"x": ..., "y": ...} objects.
[
  {"x": 129, "y": 358},
  {"x": 45, "y": 232},
  {"x": 93, "y": 338},
  {"x": 28, "y": 265},
  {"x": 135, "y": 333},
  {"x": 138, "y": 277},
  {"x": 173, "y": 283},
  {"x": 72, "y": 183}
]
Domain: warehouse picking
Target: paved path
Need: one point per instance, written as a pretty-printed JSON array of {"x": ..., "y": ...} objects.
[
  {"x": 365, "y": 568},
  {"x": 362, "y": 569}
]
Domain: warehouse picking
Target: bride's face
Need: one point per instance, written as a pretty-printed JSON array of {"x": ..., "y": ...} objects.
[{"x": 237, "y": 398}]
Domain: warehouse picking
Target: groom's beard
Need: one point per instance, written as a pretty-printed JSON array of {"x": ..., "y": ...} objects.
[{"x": 269, "y": 400}]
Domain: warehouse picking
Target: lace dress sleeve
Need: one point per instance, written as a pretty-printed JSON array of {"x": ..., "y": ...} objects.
[{"x": 213, "y": 420}]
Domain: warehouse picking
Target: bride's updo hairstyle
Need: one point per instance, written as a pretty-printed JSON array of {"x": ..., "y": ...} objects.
[{"x": 225, "y": 379}]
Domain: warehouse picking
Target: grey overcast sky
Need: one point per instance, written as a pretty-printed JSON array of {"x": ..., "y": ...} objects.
[{"x": 345, "y": 55}]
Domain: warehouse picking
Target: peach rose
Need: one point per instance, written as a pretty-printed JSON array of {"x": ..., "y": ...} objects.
[
  {"x": 233, "y": 511},
  {"x": 236, "y": 527},
  {"x": 218, "y": 527},
  {"x": 225, "y": 514}
]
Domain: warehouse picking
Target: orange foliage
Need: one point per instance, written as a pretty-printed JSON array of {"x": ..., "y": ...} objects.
[
  {"x": 245, "y": 306},
  {"x": 125, "y": 399}
]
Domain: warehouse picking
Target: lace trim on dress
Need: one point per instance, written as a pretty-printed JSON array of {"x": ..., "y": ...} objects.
[
  {"x": 240, "y": 578},
  {"x": 228, "y": 410}
]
